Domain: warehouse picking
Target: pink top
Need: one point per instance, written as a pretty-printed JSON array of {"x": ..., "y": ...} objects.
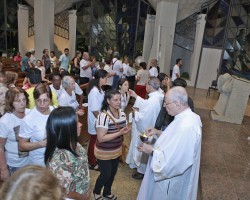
[{"x": 18, "y": 58}]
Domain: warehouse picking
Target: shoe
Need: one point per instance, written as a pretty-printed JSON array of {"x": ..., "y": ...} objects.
[
  {"x": 110, "y": 197},
  {"x": 97, "y": 198},
  {"x": 94, "y": 167},
  {"x": 137, "y": 176}
]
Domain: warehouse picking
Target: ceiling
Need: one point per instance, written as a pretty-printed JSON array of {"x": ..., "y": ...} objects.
[
  {"x": 60, "y": 5},
  {"x": 185, "y": 8}
]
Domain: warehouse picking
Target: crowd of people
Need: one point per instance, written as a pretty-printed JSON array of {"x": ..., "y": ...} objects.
[{"x": 39, "y": 128}]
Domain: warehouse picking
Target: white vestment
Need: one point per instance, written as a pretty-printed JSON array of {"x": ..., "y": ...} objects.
[
  {"x": 172, "y": 172},
  {"x": 145, "y": 118}
]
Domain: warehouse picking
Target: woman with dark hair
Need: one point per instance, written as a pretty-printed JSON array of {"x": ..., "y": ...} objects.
[
  {"x": 46, "y": 61},
  {"x": 15, "y": 107},
  {"x": 123, "y": 86},
  {"x": 64, "y": 156},
  {"x": 32, "y": 135},
  {"x": 75, "y": 67},
  {"x": 142, "y": 79},
  {"x": 165, "y": 82},
  {"x": 95, "y": 98},
  {"x": 110, "y": 128}
]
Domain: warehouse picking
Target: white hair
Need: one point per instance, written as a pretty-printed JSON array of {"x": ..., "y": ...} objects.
[
  {"x": 66, "y": 81},
  {"x": 179, "y": 94}
]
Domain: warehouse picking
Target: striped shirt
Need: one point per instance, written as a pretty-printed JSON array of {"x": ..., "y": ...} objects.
[{"x": 111, "y": 149}]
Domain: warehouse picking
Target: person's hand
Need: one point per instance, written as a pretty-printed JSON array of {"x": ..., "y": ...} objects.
[
  {"x": 43, "y": 143},
  {"x": 125, "y": 130},
  {"x": 150, "y": 131},
  {"x": 146, "y": 148},
  {"x": 5, "y": 174},
  {"x": 132, "y": 93},
  {"x": 80, "y": 112}
]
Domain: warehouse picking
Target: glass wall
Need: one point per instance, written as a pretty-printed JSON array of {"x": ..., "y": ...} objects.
[
  {"x": 8, "y": 27},
  {"x": 111, "y": 25}
]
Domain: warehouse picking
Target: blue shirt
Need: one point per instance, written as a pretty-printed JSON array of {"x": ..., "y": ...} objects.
[{"x": 64, "y": 62}]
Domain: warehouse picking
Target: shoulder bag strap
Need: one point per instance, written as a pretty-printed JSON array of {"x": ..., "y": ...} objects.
[{"x": 112, "y": 120}]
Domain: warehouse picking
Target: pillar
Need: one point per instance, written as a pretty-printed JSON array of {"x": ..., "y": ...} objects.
[
  {"x": 194, "y": 62},
  {"x": 166, "y": 13},
  {"x": 23, "y": 25},
  {"x": 148, "y": 37},
  {"x": 72, "y": 32},
  {"x": 44, "y": 26}
]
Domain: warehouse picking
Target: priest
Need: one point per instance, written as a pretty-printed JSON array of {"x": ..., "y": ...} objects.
[{"x": 173, "y": 167}]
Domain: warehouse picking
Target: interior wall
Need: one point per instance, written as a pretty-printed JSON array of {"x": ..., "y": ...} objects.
[
  {"x": 60, "y": 44},
  {"x": 209, "y": 64}
]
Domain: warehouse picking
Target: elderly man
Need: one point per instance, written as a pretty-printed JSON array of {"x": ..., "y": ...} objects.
[
  {"x": 144, "y": 117},
  {"x": 173, "y": 167},
  {"x": 68, "y": 96},
  {"x": 85, "y": 68}
]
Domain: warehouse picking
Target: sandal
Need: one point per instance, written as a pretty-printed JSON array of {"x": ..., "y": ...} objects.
[
  {"x": 98, "y": 198},
  {"x": 110, "y": 197},
  {"x": 94, "y": 167}
]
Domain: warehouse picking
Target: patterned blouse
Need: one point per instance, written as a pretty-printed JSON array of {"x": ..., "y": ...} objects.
[{"x": 73, "y": 172}]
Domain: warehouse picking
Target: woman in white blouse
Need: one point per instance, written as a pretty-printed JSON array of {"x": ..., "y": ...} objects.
[{"x": 95, "y": 99}]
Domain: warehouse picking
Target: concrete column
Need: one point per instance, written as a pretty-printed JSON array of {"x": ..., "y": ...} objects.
[
  {"x": 148, "y": 37},
  {"x": 44, "y": 26},
  {"x": 164, "y": 30},
  {"x": 23, "y": 25},
  {"x": 72, "y": 33},
  {"x": 194, "y": 62}
]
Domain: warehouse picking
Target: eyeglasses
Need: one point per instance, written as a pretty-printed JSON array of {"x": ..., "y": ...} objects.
[
  {"x": 40, "y": 101},
  {"x": 165, "y": 104}
]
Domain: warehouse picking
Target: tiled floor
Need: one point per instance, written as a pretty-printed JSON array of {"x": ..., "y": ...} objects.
[{"x": 225, "y": 158}]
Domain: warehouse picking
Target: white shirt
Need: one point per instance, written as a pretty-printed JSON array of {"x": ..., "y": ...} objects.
[
  {"x": 66, "y": 100},
  {"x": 111, "y": 78},
  {"x": 95, "y": 99},
  {"x": 117, "y": 65},
  {"x": 58, "y": 93},
  {"x": 153, "y": 72},
  {"x": 87, "y": 72},
  {"x": 33, "y": 127},
  {"x": 125, "y": 69},
  {"x": 176, "y": 70},
  {"x": 9, "y": 129}
]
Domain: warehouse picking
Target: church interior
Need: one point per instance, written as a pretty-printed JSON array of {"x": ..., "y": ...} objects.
[{"x": 212, "y": 38}]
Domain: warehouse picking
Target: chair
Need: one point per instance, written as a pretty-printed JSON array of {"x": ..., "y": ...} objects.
[{"x": 212, "y": 87}]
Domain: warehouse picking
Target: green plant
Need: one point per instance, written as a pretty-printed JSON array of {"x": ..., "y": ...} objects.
[{"x": 185, "y": 75}]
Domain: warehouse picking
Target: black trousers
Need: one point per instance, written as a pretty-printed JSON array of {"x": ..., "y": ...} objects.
[
  {"x": 84, "y": 80},
  {"x": 108, "y": 169}
]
